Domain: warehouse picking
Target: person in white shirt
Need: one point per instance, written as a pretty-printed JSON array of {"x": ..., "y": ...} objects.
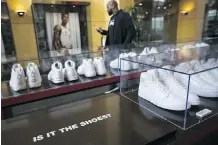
[{"x": 62, "y": 41}]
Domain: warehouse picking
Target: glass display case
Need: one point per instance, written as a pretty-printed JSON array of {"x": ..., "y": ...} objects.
[
  {"x": 177, "y": 82},
  {"x": 44, "y": 66}
]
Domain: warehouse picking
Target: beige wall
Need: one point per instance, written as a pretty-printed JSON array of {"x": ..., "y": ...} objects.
[
  {"x": 24, "y": 36},
  {"x": 190, "y": 26}
]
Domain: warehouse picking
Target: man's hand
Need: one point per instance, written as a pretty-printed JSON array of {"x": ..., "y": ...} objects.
[{"x": 99, "y": 30}]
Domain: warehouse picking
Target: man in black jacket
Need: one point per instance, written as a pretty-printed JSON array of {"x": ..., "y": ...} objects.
[
  {"x": 121, "y": 29},
  {"x": 121, "y": 32}
]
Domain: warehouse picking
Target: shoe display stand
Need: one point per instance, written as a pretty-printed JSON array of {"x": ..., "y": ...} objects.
[
  {"x": 107, "y": 119},
  {"x": 49, "y": 89},
  {"x": 192, "y": 95}
]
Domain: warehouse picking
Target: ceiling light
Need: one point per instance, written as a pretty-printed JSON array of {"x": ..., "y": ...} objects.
[
  {"x": 140, "y": 4},
  {"x": 158, "y": 7},
  {"x": 146, "y": 13},
  {"x": 165, "y": 8},
  {"x": 74, "y": 6},
  {"x": 169, "y": 5}
]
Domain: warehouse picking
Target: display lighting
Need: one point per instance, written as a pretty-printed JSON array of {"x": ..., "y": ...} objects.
[{"x": 19, "y": 6}]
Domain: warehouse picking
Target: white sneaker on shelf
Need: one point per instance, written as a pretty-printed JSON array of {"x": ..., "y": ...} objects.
[
  {"x": 145, "y": 51},
  {"x": 197, "y": 85},
  {"x": 153, "y": 50},
  {"x": 81, "y": 68},
  {"x": 133, "y": 57},
  {"x": 69, "y": 71},
  {"x": 154, "y": 91},
  {"x": 99, "y": 66},
  {"x": 146, "y": 57},
  {"x": 206, "y": 76},
  {"x": 17, "y": 81},
  {"x": 56, "y": 74},
  {"x": 176, "y": 87},
  {"x": 87, "y": 68},
  {"x": 211, "y": 63},
  {"x": 33, "y": 75},
  {"x": 125, "y": 65},
  {"x": 188, "y": 46}
]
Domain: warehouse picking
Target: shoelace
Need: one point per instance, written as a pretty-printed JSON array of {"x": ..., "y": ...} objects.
[{"x": 161, "y": 87}]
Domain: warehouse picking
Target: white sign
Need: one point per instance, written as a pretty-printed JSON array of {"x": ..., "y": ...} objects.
[{"x": 70, "y": 128}]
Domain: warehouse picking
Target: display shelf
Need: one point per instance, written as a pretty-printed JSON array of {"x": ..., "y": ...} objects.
[
  {"x": 120, "y": 122},
  {"x": 175, "y": 85},
  {"x": 175, "y": 117},
  {"x": 49, "y": 89}
]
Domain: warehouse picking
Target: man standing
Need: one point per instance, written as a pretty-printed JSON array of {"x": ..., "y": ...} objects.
[
  {"x": 121, "y": 29},
  {"x": 62, "y": 35}
]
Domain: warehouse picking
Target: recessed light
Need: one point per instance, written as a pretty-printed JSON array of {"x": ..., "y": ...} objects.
[
  {"x": 169, "y": 5},
  {"x": 165, "y": 8},
  {"x": 146, "y": 13},
  {"x": 74, "y": 6},
  {"x": 158, "y": 7},
  {"x": 140, "y": 4}
]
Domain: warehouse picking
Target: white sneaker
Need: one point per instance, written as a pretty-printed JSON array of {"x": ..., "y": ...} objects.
[
  {"x": 56, "y": 74},
  {"x": 133, "y": 57},
  {"x": 147, "y": 57},
  {"x": 125, "y": 65},
  {"x": 33, "y": 76},
  {"x": 154, "y": 91},
  {"x": 153, "y": 50},
  {"x": 99, "y": 66},
  {"x": 197, "y": 85},
  {"x": 176, "y": 87},
  {"x": 87, "y": 68},
  {"x": 69, "y": 71},
  {"x": 206, "y": 76},
  {"x": 211, "y": 63},
  {"x": 17, "y": 81},
  {"x": 188, "y": 46},
  {"x": 145, "y": 51}
]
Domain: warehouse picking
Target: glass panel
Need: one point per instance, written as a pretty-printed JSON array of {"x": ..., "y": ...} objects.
[
  {"x": 8, "y": 52},
  {"x": 176, "y": 84}
]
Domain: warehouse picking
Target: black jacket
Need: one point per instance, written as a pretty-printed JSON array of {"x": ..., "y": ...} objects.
[{"x": 121, "y": 29}]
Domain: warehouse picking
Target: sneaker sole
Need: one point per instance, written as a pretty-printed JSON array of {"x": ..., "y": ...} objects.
[
  {"x": 35, "y": 85},
  {"x": 57, "y": 81},
  {"x": 72, "y": 78}
]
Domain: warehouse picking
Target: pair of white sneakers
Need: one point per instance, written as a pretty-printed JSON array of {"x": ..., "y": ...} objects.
[
  {"x": 127, "y": 64},
  {"x": 161, "y": 89},
  {"x": 150, "y": 56},
  {"x": 89, "y": 68},
  {"x": 18, "y": 79},
  {"x": 202, "y": 84},
  {"x": 58, "y": 73}
]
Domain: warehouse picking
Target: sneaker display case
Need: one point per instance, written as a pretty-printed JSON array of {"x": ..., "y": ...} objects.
[
  {"x": 48, "y": 88},
  {"x": 178, "y": 84}
]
